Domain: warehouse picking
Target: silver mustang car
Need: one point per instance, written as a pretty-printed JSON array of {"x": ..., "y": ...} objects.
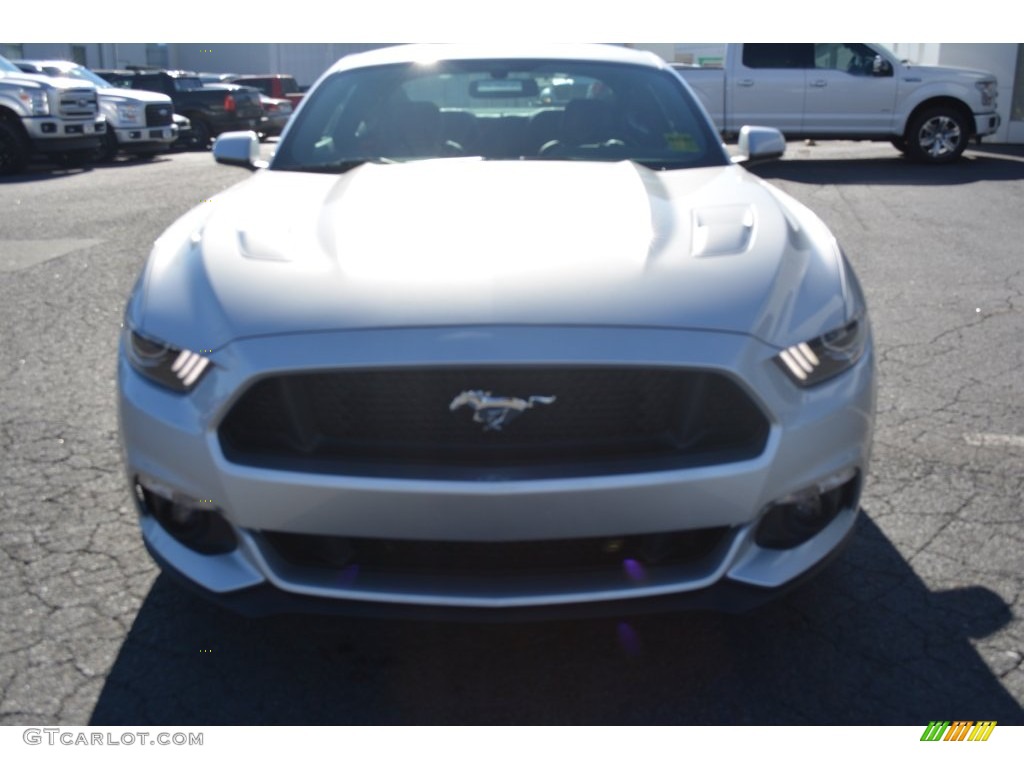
[{"x": 461, "y": 351}]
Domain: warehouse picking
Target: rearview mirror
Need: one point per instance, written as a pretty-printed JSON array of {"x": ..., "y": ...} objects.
[{"x": 503, "y": 88}]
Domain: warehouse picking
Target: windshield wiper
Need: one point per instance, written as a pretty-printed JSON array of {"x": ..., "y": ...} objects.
[{"x": 340, "y": 166}]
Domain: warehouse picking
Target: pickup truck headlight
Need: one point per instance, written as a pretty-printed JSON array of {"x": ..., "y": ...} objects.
[
  {"x": 988, "y": 92},
  {"x": 816, "y": 360},
  {"x": 172, "y": 367},
  {"x": 35, "y": 101},
  {"x": 129, "y": 113}
]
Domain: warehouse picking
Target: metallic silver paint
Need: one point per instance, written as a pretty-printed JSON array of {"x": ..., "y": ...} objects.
[{"x": 708, "y": 268}]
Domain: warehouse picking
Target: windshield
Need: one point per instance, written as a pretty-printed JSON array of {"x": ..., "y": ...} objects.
[
  {"x": 80, "y": 73},
  {"x": 188, "y": 84},
  {"x": 6, "y": 66},
  {"x": 500, "y": 109}
]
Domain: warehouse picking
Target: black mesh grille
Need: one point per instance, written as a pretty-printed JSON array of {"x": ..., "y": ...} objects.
[
  {"x": 399, "y": 423},
  {"x": 453, "y": 557},
  {"x": 159, "y": 114}
]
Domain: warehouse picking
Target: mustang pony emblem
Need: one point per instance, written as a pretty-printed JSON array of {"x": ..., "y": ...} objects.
[{"x": 495, "y": 412}]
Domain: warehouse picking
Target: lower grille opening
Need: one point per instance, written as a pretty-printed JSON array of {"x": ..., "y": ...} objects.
[
  {"x": 529, "y": 557},
  {"x": 573, "y": 421}
]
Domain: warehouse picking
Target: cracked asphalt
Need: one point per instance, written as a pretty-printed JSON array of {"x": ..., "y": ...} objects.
[{"x": 920, "y": 618}]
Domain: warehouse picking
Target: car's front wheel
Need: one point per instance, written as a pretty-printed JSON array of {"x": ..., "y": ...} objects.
[
  {"x": 108, "y": 149},
  {"x": 938, "y": 135},
  {"x": 14, "y": 151},
  {"x": 201, "y": 134}
]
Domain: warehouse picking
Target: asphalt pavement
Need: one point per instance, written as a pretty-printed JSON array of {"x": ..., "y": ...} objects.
[{"x": 919, "y": 619}]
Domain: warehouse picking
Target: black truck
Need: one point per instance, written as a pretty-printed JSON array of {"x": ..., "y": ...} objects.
[{"x": 212, "y": 111}]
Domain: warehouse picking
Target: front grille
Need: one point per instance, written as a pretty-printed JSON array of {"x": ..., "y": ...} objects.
[
  {"x": 398, "y": 423},
  {"x": 78, "y": 103},
  {"x": 439, "y": 558},
  {"x": 159, "y": 114}
]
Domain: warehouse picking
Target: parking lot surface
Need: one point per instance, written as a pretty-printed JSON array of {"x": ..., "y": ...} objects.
[{"x": 922, "y": 617}]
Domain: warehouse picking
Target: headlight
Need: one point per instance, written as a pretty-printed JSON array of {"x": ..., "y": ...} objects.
[
  {"x": 812, "y": 362},
  {"x": 174, "y": 368},
  {"x": 988, "y": 92},
  {"x": 34, "y": 100},
  {"x": 128, "y": 113}
]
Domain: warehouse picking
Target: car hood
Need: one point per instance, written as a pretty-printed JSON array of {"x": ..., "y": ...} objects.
[
  {"x": 932, "y": 72},
  {"x": 472, "y": 242},
  {"x": 147, "y": 97},
  {"x": 22, "y": 78}
]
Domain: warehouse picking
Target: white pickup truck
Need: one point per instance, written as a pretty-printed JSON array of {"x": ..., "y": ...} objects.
[
  {"x": 54, "y": 116},
  {"x": 848, "y": 91}
]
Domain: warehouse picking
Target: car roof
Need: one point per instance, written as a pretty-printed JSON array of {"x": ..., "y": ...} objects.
[
  {"x": 63, "y": 63},
  {"x": 407, "y": 54}
]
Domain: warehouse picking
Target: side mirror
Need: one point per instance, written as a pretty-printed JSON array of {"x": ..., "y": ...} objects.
[
  {"x": 757, "y": 144},
  {"x": 238, "y": 148},
  {"x": 881, "y": 67}
]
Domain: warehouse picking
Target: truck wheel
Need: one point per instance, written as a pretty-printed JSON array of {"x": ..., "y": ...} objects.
[
  {"x": 108, "y": 149},
  {"x": 938, "y": 135},
  {"x": 14, "y": 150},
  {"x": 201, "y": 134}
]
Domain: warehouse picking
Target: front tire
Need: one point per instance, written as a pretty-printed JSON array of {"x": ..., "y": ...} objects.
[
  {"x": 108, "y": 150},
  {"x": 201, "y": 134},
  {"x": 938, "y": 135},
  {"x": 14, "y": 151}
]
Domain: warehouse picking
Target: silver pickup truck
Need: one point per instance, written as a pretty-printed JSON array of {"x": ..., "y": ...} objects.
[
  {"x": 54, "y": 116},
  {"x": 848, "y": 91}
]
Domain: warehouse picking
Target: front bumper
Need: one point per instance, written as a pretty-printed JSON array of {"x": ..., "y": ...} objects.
[
  {"x": 986, "y": 123},
  {"x": 54, "y": 134},
  {"x": 171, "y": 440},
  {"x": 160, "y": 137}
]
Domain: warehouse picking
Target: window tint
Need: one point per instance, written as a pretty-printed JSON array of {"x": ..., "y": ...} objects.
[
  {"x": 148, "y": 82},
  {"x": 778, "y": 55},
  {"x": 854, "y": 58},
  {"x": 261, "y": 84},
  {"x": 501, "y": 110}
]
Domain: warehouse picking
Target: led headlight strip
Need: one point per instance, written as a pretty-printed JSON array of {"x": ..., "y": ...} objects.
[
  {"x": 812, "y": 362},
  {"x": 177, "y": 369}
]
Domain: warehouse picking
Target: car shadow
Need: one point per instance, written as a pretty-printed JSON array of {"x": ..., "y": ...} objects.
[
  {"x": 44, "y": 172},
  {"x": 985, "y": 163},
  {"x": 865, "y": 643}
]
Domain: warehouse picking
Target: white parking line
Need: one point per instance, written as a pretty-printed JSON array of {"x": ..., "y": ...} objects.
[{"x": 994, "y": 440}]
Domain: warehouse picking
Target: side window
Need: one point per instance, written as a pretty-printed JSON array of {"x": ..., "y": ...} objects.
[
  {"x": 778, "y": 55},
  {"x": 853, "y": 58},
  {"x": 149, "y": 83},
  {"x": 260, "y": 84}
]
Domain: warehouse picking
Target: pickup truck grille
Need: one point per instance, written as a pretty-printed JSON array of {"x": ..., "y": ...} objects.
[
  {"x": 399, "y": 423},
  {"x": 78, "y": 103},
  {"x": 159, "y": 114}
]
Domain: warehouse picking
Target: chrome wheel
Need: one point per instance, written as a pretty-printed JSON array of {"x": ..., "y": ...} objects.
[{"x": 939, "y": 136}]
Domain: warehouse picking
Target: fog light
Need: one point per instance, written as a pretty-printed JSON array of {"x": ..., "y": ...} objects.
[
  {"x": 48, "y": 127},
  {"x": 797, "y": 518},
  {"x": 199, "y": 527}
]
